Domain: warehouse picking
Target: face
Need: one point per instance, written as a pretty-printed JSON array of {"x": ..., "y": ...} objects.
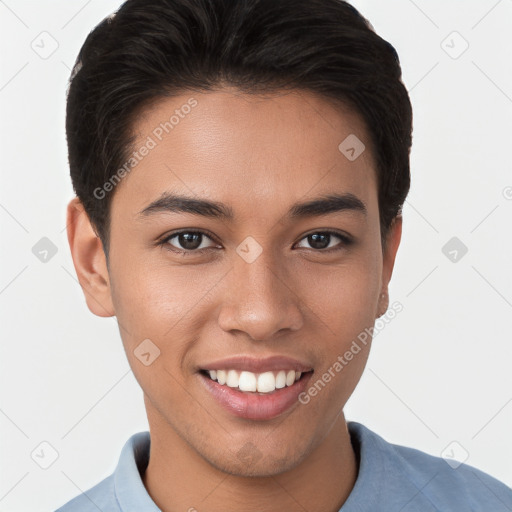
[{"x": 267, "y": 286}]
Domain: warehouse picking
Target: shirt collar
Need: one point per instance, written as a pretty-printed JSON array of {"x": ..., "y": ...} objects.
[{"x": 129, "y": 488}]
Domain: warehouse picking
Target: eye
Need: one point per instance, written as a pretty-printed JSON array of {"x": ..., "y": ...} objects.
[
  {"x": 321, "y": 240},
  {"x": 187, "y": 242}
]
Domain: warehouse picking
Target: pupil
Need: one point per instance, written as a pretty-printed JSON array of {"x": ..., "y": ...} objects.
[
  {"x": 187, "y": 240},
  {"x": 316, "y": 242}
]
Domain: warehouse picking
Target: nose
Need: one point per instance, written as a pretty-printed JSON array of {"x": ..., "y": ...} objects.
[{"x": 260, "y": 300}]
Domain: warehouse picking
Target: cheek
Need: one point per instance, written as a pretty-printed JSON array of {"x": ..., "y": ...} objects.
[
  {"x": 343, "y": 297},
  {"x": 154, "y": 296},
  {"x": 163, "y": 303},
  {"x": 152, "y": 309},
  {"x": 342, "y": 302},
  {"x": 343, "y": 314}
]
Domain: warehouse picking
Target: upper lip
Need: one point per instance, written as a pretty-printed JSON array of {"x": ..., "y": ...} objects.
[{"x": 258, "y": 365}]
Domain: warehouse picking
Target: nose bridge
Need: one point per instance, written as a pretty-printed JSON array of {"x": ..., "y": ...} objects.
[
  {"x": 257, "y": 282},
  {"x": 259, "y": 301}
]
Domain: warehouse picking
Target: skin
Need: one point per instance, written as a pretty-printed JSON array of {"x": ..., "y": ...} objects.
[{"x": 259, "y": 155}]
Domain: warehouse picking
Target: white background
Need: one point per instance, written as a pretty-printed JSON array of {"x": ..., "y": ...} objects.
[{"x": 439, "y": 372}]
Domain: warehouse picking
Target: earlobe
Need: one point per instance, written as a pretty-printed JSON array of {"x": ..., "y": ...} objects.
[
  {"x": 89, "y": 260},
  {"x": 383, "y": 303}
]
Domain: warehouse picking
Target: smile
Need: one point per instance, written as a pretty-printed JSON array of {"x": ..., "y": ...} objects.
[{"x": 249, "y": 382}]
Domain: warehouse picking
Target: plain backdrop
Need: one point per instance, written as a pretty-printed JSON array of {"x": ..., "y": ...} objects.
[{"x": 439, "y": 376}]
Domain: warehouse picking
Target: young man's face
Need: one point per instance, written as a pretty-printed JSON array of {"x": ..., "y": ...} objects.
[{"x": 255, "y": 285}]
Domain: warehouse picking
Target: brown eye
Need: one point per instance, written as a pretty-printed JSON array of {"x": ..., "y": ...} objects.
[
  {"x": 188, "y": 241},
  {"x": 319, "y": 240},
  {"x": 322, "y": 240}
]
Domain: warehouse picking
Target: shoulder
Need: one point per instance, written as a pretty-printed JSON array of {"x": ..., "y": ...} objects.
[
  {"x": 123, "y": 489},
  {"x": 443, "y": 482},
  {"x": 99, "y": 497},
  {"x": 419, "y": 478}
]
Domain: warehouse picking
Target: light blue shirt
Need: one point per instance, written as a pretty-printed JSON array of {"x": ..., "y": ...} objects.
[{"x": 391, "y": 478}]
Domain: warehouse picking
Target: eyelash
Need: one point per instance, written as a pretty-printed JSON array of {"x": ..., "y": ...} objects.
[{"x": 345, "y": 241}]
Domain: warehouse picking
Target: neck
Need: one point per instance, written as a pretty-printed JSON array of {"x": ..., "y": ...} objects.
[{"x": 179, "y": 478}]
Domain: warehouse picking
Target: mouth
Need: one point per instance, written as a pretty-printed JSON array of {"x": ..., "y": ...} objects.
[
  {"x": 258, "y": 395},
  {"x": 264, "y": 383}
]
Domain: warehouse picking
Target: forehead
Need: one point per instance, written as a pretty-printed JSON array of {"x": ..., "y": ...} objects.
[{"x": 269, "y": 150}]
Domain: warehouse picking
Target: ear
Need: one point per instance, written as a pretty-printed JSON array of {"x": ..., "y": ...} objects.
[
  {"x": 89, "y": 260},
  {"x": 388, "y": 261}
]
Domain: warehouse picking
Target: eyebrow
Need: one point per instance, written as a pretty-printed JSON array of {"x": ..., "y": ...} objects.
[{"x": 323, "y": 205}]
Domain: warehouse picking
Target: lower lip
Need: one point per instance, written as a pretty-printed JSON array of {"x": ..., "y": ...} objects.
[{"x": 254, "y": 406}]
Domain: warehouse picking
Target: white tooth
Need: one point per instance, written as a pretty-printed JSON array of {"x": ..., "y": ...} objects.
[
  {"x": 280, "y": 379},
  {"x": 247, "y": 381},
  {"x": 290, "y": 377},
  {"x": 221, "y": 376},
  {"x": 297, "y": 375},
  {"x": 232, "y": 379},
  {"x": 266, "y": 382},
  {"x": 213, "y": 374}
]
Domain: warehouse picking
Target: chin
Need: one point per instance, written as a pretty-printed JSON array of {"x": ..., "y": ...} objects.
[
  {"x": 263, "y": 468},
  {"x": 252, "y": 461}
]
